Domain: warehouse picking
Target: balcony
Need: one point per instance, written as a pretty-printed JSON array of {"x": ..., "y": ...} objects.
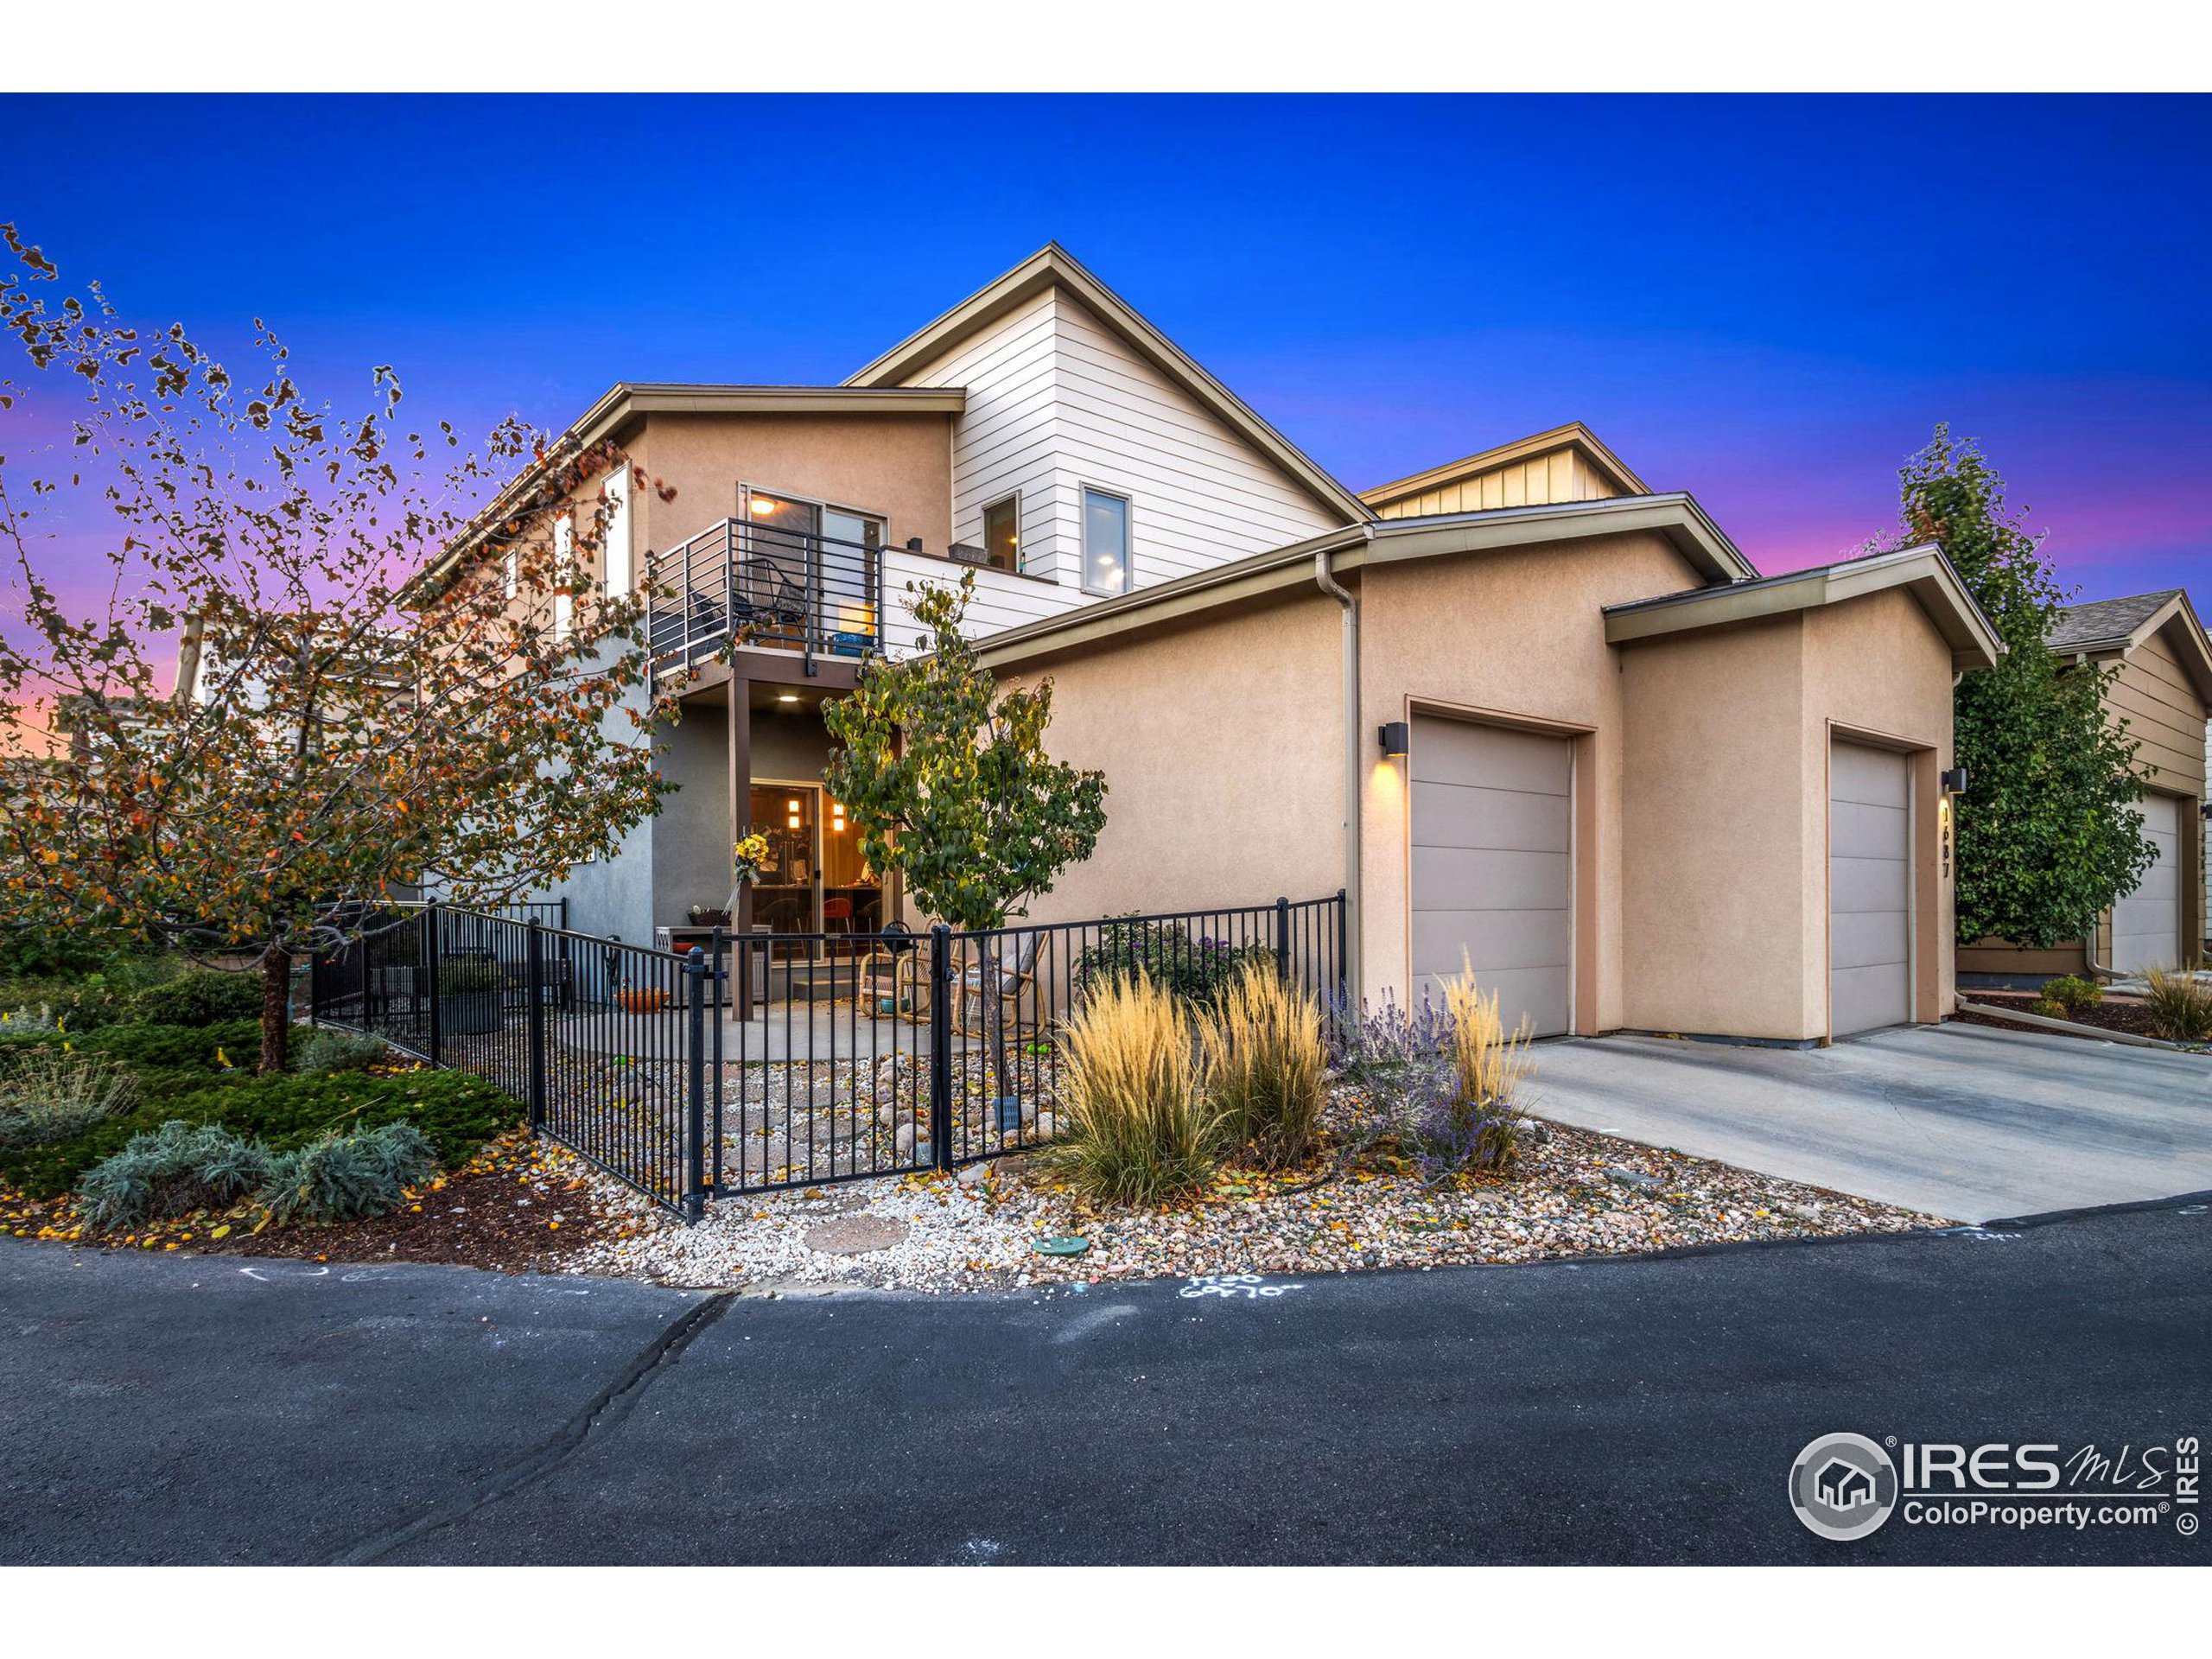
[{"x": 768, "y": 586}]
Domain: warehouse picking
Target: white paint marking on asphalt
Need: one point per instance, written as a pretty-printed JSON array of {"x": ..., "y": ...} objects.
[
  {"x": 1231, "y": 1285},
  {"x": 1084, "y": 1324},
  {"x": 260, "y": 1278}
]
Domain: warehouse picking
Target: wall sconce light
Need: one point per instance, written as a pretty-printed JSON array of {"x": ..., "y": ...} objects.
[
  {"x": 1954, "y": 782},
  {"x": 1397, "y": 739}
]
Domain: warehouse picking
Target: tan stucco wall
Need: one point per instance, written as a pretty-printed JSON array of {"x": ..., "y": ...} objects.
[
  {"x": 1516, "y": 637},
  {"x": 1221, "y": 748},
  {"x": 899, "y": 466},
  {"x": 1715, "y": 929}
]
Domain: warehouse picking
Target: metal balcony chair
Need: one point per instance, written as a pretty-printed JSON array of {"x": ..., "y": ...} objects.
[{"x": 763, "y": 597}]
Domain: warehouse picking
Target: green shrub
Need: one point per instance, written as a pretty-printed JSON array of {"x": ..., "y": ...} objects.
[
  {"x": 340, "y": 1176},
  {"x": 2045, "y": 1008},
  {"x": 1189, "y": 970},
  {"x": 468, "y": 976},
  {"x": 1135, "y": 1125},
  {"x": 206, "y": 996},
  {"x": 318, "y": 1051},
  {"x": 184, "y": 1048},
  {"x": 2074, "y": 994},
  {"x": 181, "y": 1167},
  {"x": 172, "y": 1171},
  {"x": 2179, "y": 1004},
  {"x": 455, "y": 1111},
  {"x": 29, "y": 1024},
  {"x": 49, "y": 1094},
  {"x": 1266, "y": 1065}
]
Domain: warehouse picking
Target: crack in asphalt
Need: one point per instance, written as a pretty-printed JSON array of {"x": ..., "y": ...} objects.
[{"x": 605, "y": 1409}]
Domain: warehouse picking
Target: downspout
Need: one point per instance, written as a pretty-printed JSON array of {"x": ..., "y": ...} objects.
[{"x": 1353, "y": 750}]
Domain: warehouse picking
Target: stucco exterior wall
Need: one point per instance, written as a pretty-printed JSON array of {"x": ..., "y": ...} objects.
[
  {"x": 1222, "y": 750},
  {"x": 1516, "y": 637},
  {"x": 1716, "y": 929}
]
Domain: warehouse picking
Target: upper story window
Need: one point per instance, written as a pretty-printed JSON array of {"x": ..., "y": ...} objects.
[
  {"x": 564, "y": 562},
  {"x": 620, "y": 575},
  {"x": 1002, "y": 534},
  {"x": 1106, "y": 543}
]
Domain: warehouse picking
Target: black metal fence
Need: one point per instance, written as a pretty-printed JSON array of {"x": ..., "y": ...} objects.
[{"x": 723, "y": 1071}]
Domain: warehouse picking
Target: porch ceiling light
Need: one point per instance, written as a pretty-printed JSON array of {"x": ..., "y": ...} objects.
[
  {"x": 1397, "y": 738},
  {"x": 787, "y": 696},
  {"x": 1953, "y": 781}
]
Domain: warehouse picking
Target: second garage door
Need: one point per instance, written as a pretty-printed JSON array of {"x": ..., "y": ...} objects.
[
  {"x": 1492, "y": 813},
  {"x": 2147, "y": 923},
  {"x": 1870, "y": 889}
]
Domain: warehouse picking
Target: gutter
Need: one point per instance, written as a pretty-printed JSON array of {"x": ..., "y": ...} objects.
[{"x": 1348, "y": 651}]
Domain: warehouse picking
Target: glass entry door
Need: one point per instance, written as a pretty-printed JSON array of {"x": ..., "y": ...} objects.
[
  {"x": 787, "y": 891},
  {"x": 816, "y": 880}
]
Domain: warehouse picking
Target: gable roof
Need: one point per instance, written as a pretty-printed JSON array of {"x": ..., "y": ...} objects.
[
  {"x": 1924, "y": 571},
  {"x": 2103, "y": 626},
  {"x": 1053, "y": 266},
  {"x": 1573, "y": 436}
]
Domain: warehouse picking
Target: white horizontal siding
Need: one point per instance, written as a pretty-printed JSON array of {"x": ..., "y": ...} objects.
[
  {"x": 1199, "y": 494},
  {"x": 1000, "y": 600},
  {"x": 1057, "y": 402}
]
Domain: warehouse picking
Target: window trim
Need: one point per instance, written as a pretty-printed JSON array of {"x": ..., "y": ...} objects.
[{"x": 1128, "y": 539}]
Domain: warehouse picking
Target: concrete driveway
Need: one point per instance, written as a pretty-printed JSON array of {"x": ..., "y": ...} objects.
[{"x": 1965, "y": 1121}]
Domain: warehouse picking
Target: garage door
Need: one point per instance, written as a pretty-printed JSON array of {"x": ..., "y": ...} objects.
[
  {"x": 1870, "y": 889},
  {"x": 1492, "y": 875},
  {"x": 2147, "y": 923}
]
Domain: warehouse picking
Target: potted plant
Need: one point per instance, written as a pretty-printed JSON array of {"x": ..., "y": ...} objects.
[
  {"x": 468, "y": 996},
  {"x": 641, "y": 999}
]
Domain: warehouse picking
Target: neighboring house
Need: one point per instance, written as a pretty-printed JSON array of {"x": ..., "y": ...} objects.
[
  {"x": 2162, "y": 693},
  {"x": 1630, "y": 782}
]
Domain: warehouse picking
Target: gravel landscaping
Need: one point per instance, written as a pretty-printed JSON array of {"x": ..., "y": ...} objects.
[
  {"x": 1576, "y": 1194},
  {"x": 531, "y": 1205}
]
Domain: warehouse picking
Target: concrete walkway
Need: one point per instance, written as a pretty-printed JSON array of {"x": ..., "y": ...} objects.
[{"x": 1960, "y": 1120}]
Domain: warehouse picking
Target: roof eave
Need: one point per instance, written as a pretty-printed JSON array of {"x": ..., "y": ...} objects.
[{"x": 1923, "y": 571}]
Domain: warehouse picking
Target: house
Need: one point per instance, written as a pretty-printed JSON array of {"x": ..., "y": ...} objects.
[
  {"x": 1843, "y": 1485},
  {"x": 2162, "y": 692},
  {"x": 1527, "y": 711}
]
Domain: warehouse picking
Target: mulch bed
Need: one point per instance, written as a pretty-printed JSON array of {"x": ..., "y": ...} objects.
[
  {"x": 518, "y": 1206},
  {"x": 2114, "y": 1014}
]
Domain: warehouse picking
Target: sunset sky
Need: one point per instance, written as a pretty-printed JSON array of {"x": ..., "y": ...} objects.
[{"x": 1767, "y": 301}]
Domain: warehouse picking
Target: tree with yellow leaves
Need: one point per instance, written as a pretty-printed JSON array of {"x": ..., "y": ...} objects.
[{"x": 341, "y": 726}]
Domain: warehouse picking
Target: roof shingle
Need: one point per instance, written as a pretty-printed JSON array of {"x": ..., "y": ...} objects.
[{"x": 2102, "y": 619}]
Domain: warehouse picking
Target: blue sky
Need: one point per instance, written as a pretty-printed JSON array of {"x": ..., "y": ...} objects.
[{"x": 1767, "y": 301}]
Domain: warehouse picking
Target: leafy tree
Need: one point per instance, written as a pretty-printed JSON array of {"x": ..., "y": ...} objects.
[
  {"x": 2046, "y": 837},
  {"x": 348, "y": 729},
  {"x": 946, "y": 778}
]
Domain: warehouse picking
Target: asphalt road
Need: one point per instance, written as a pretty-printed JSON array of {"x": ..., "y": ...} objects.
[{"x": 174, "y": 1410}]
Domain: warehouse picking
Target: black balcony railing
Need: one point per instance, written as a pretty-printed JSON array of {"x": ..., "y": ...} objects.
[{"x": 741, "y": 583}]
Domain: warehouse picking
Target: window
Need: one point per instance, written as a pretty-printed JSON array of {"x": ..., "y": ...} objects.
[
  {"x": 618, "y": 532},
  {"x": 513, "y": 583},
  {"x": 1002, "y": 534},
  {"x": 564, "y": 559},
  {"x": 1105, "y": 544}
]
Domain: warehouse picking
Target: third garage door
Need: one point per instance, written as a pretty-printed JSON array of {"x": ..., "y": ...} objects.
[
  {"x": 2146, "y": 923},
  {"x": 1870, "y": 889},
  {"x": 1492, "y": 814}
]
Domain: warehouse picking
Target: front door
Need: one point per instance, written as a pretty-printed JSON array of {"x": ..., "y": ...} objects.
[
  {"x": 816, "y": 880},
  {"x": 787, "y": 892}
]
